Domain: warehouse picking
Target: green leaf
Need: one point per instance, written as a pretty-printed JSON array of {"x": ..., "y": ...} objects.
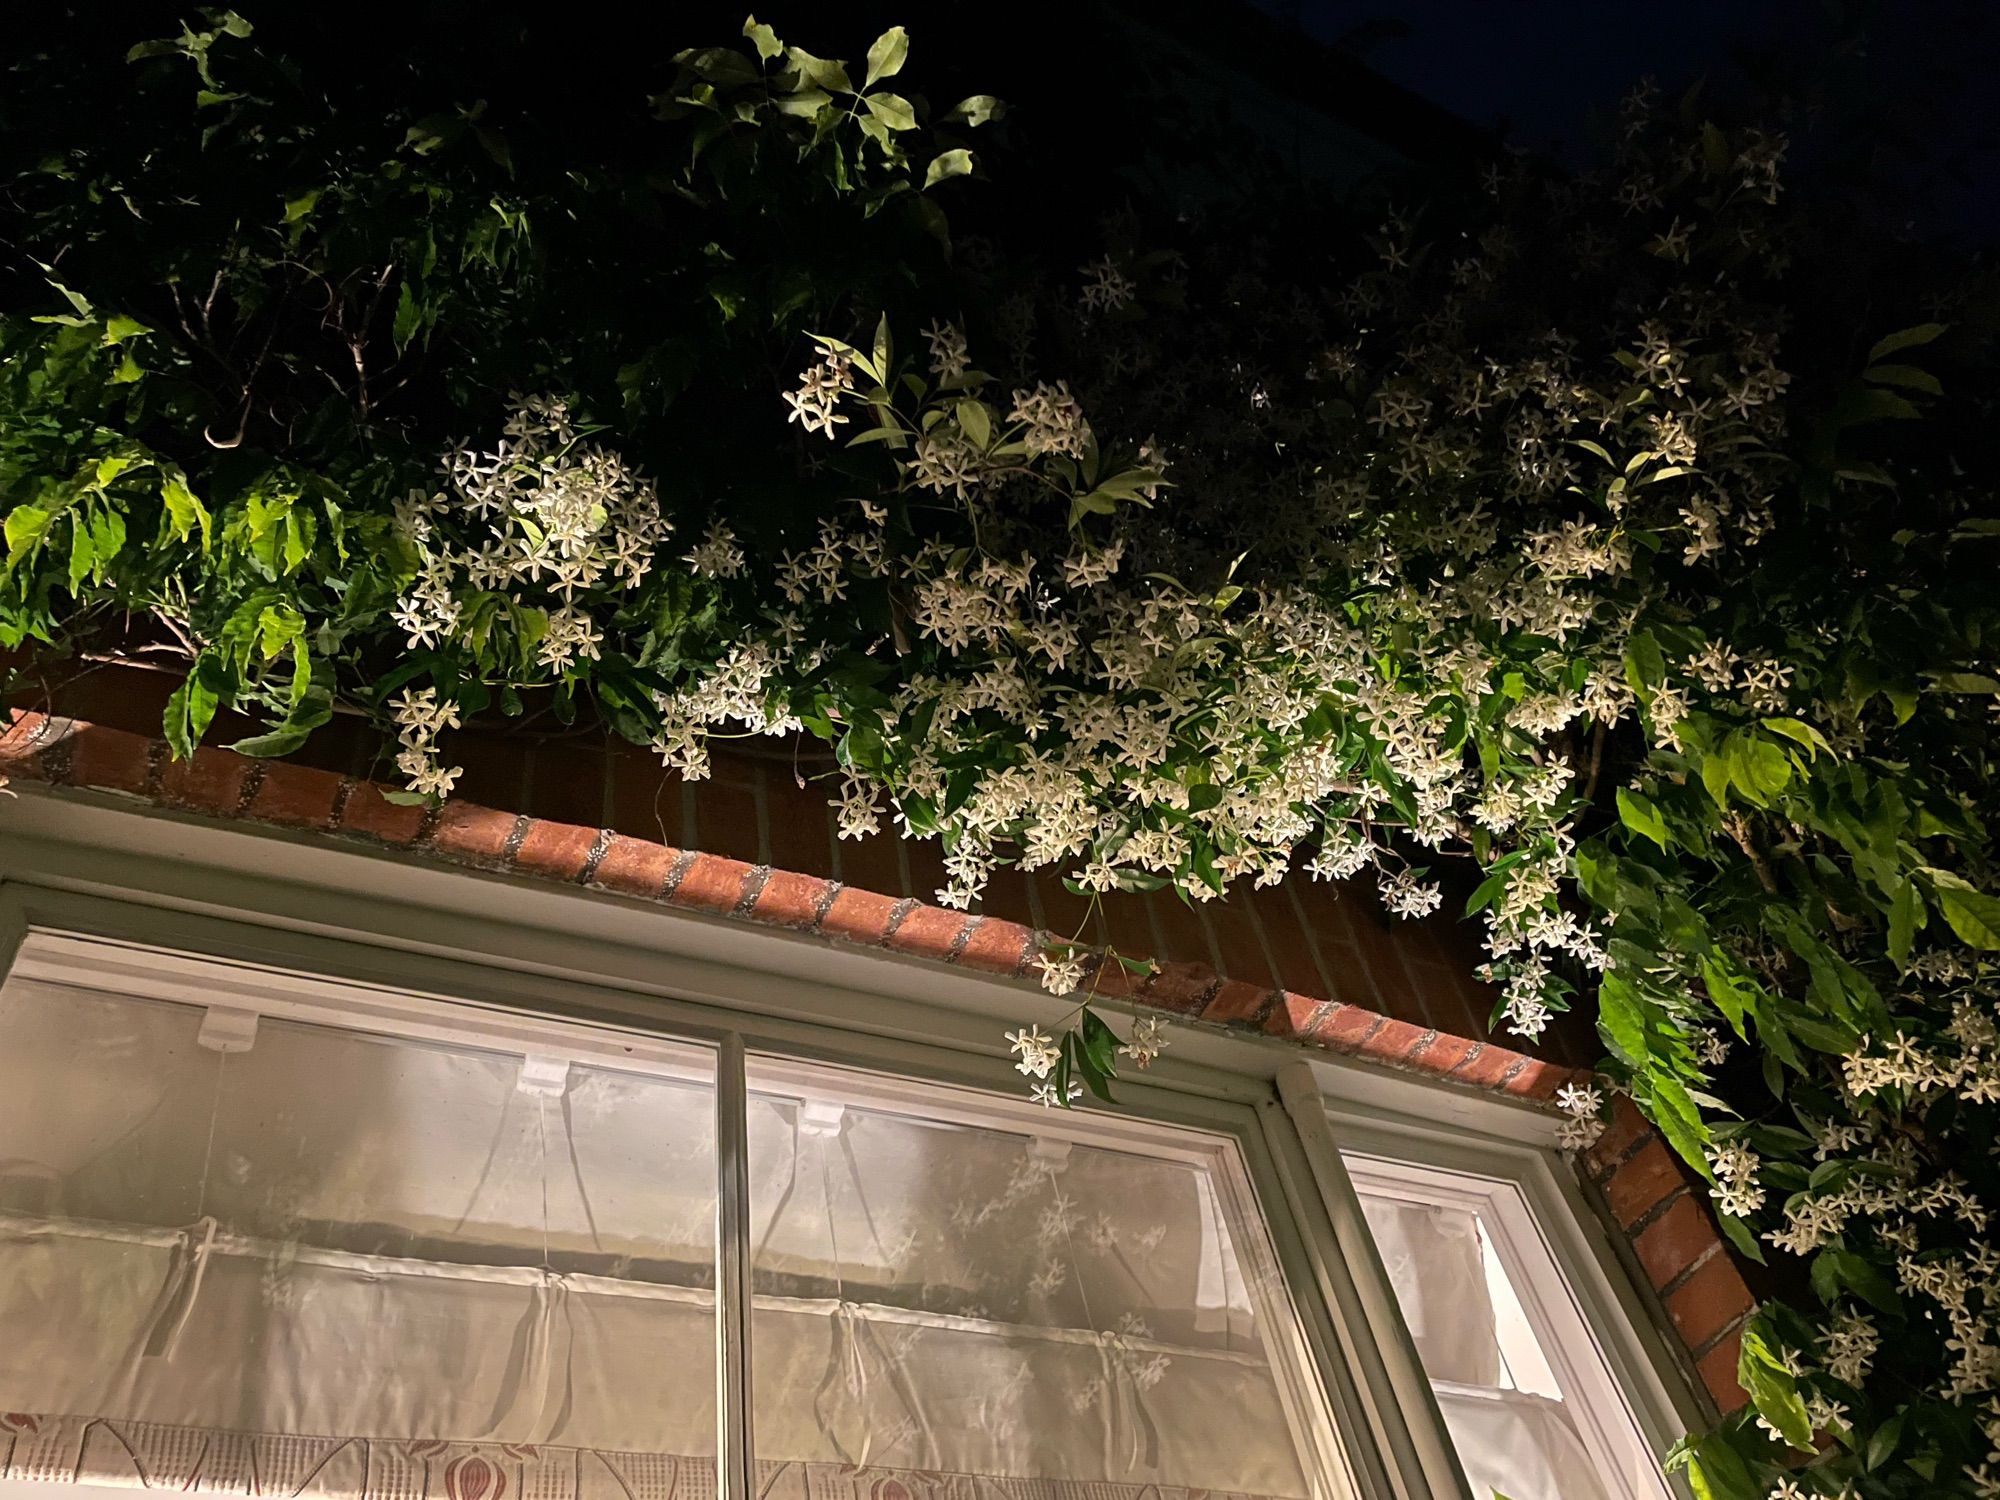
[
  {"x": 1716, "y": 1471},
  {"x": 183, "y": 511},
  {"x": 1772, "y": 1387},
  {"x": 1202, "y": 798},
  {"x": 409, "y": 317},
  {"x": 953, "y": 163},
  {"x": 1860, "y": 403},
  {"x": 119, "y": 328},
  {"x": 885, "y": 58},
  {"x": 1757, "y": 767},
  {"x": 1100, "y": 1043},
  {"x": 1621, "y": 1019},
  {"x": 1645, "y": 667},
  {"x": 80, "y": 554},
  {"x": 273, "y": 743},
  {"x": 768, "y": 45},
  {"x": 1882, "y": 1443},
  {"x": 1738, "y": 1233},
  {"x": 1672, "y": 1109},
  {"x": 1805, "y": 734},
  {"x": 723, "y": 66},
  {"x": 297, "y": 208},
  {"x": 1903, "y": 913},
  {"x": 25, "y": 527},
  {"x": 192, "y": 708},
  {"x": 976, "y": 110},
  {"x": 1973, "y": 915},
  {"x": 1907, "y": 376},
  {"x": 821, "y": 72},
  {"x": 975, "y": 421},
  {"x": 1638, "y": 813},
  {"x": 1909, "y": 338},
  {"x": 893, "y": 110}
]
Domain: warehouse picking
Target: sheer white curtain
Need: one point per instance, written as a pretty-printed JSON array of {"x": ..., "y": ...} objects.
[
  {"x": 1506, "y": 1415},
  {"x": 364, "y": 1268}
]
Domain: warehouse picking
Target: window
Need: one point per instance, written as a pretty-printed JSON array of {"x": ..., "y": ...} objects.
[
  {"x": 1522, "y": 1385},
  {"x": 352, "y": 1177},
  {"x": 938, "y": 1293},
  {"x": 258, "y": 1233}
]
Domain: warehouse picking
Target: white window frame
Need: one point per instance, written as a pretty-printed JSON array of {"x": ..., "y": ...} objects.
[
  {"x": 363, "y": 932},
  {"x": 1553, "y": 1243}
]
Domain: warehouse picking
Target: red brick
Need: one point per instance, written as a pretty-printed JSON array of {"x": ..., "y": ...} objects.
[
  {"x": 108, "y": 760},
  {"x": 1642, "y": 1182},
  {"x": 1486, "y": 1068},
  {"x": 369, "y": 814},
  {"x": 1179, "y": 986},
  {"x": 1441, "y": 1054},
  {"x": 996, "y": 946},
  {"x": 1106, "y": 979},
  {"x": 1718, "y": 1373},
  {"x": 1712, "y": 1298},
  {"x": 1672, "y": 1242},
  {"x": 929, "y": 931},
  {"x": 859, "y": 916},
  {"x": 1237, "y": 1000},
  {"x": 19, "y": 737},
  {"x": 1391, "y": 1042},
  {"x": 1540, "y": 1079},
  {"x": 471, "y": 833},
  {"x": 635, "y": 867},
  {"x": 295, "y": 796},
  {"x": 1294, "y": 1014},
  {"x": 1346, "y": 1027},
  {"x": 210, "y": 781},
  {"x": 790, "y": 900},
  {"x": 555, "y": 851},
  {"x": 711, "y": 883},
  {"x": 1626, "y": 1128}
]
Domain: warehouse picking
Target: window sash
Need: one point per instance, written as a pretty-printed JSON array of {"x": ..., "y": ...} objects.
[
  {"x": 101, "y": 946},
  {"x": 369, "y": 930}
]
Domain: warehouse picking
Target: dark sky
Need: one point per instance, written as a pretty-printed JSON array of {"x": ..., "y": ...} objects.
[
  {"x": 1900, "y": 88},
  {"x": 1542, "y": 66}
]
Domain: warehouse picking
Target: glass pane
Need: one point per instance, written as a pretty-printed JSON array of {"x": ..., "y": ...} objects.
[
  {"x": 1519, "y": 1433},
  {"x": 430, "y": 1248},
  {"x": 939, "y": 1301}
]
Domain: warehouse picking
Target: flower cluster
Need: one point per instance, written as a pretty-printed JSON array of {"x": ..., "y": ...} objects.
[{"x": 522, "y": 542}]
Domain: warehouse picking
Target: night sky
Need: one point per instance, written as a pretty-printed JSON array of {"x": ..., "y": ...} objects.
[{"x": 1910, "y": 81}]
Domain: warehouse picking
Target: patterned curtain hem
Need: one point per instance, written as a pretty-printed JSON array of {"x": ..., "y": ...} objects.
[{"x": 154, "y": 1456}]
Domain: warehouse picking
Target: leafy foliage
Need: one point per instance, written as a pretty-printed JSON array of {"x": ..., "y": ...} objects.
[{"x": 1600, "y": 536}]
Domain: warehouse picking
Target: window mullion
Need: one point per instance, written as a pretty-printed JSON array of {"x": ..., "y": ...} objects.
[
  {"x": 1422, "y": 1444},
  {"x": 736, "y": 1455}
]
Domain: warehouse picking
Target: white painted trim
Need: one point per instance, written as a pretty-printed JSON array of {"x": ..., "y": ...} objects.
[
  {"x": 736, "y": 1428},
  {"x": 1555, "y": 1249}
]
